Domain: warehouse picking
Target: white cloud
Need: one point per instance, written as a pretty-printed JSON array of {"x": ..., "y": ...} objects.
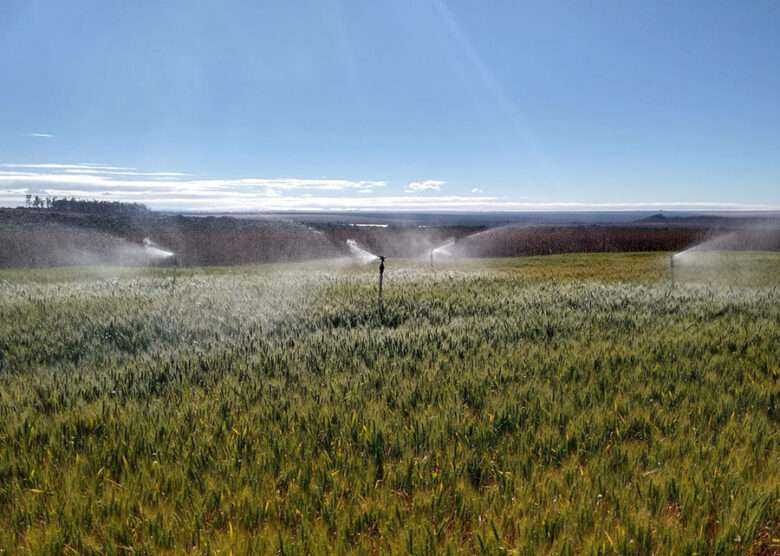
[
  {"x": 100, "y": 172},
  {"x": 90, "y": 180},
  {"x": 477, "y": 190},
  {"x": 425, "y": 185},
  {"x": 162, "y": 189},
  {"x": 49, "y": 166},
  {"x": 179, "y": 191},
  {"x": 41, "y": 135}
]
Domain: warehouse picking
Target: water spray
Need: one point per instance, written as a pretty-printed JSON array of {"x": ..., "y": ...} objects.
[
  {"x": 443, "y": 249},
  {"x": 154, "y": 251},
  {"x": 358, "y": 253}
]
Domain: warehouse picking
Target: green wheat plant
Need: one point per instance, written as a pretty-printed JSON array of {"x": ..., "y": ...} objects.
[{"x": 573, "y": 404}]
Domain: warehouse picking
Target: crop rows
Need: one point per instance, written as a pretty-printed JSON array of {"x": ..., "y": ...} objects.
[{"x": 566, "y": 405}]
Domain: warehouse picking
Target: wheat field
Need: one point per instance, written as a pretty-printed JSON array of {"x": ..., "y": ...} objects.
[{"x": 574, "y": 404}]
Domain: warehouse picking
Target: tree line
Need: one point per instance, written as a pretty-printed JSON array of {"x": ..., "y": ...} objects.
[{"x": 83, "y": 205}]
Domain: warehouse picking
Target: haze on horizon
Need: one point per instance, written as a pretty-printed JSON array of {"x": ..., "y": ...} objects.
[{"x": 429, "y": 105}]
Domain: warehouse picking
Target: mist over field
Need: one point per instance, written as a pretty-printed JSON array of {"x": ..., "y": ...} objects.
[
  {"x": 489, "y": 404},
  {"x": 485, "y": 398},
  {"x": 419, "y": 278},
  {"x": 388, "y": 384}
]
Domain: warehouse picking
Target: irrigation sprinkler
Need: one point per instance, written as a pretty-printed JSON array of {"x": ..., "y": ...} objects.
[
  {"x": 443, "y": 249},
  {"x": 365, "y": 257},
  {"x": 381, "y": 279},
  {"x": 671, "y": 268},
  {"x": 175, "y": 264},
  {"x": 157, "y": 256}
]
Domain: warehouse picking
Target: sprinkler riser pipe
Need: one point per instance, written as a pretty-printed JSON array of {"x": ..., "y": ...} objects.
[{"x": 381, "y": 279}]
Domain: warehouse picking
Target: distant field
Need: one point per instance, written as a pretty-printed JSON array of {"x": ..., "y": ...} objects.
[
  {"x": 31, "y": 238},
  {"x": 566, "y": 404}
]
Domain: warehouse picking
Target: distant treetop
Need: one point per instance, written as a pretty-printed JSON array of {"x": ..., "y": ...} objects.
[{"x": 85, "y": 206}]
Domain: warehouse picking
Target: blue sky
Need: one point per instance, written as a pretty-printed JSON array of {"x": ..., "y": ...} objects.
[{"x": 418, "y": 105}]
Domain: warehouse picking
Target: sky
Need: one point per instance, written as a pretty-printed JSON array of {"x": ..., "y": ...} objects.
[{"x": 433, "y": 105}]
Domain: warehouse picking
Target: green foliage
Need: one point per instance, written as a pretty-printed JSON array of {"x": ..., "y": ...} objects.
[{"x": 562, "y": 405}]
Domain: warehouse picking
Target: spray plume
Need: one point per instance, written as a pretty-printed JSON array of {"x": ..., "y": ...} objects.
[
  {"x": 759, "y": 238},
  {"x": 359, "y": 254},
  {"x": 445, "y": 249},
  {"x": 154, "y": 251},
  {"x": 731, "y": 256}
]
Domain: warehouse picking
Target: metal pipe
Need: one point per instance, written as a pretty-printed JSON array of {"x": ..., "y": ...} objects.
[
  {"x": 671, "y": 268},
  {"x": 381, "y": 279},
  {"x": 175, "y": 272}
]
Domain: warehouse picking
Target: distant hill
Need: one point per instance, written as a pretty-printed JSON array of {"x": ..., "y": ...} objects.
[
  {"x": 698, "y": 220},
  {"x": 655, "y": 218}
]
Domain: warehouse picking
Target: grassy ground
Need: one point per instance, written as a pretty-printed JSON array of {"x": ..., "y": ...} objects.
[{"x": 564, "y": 405}]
